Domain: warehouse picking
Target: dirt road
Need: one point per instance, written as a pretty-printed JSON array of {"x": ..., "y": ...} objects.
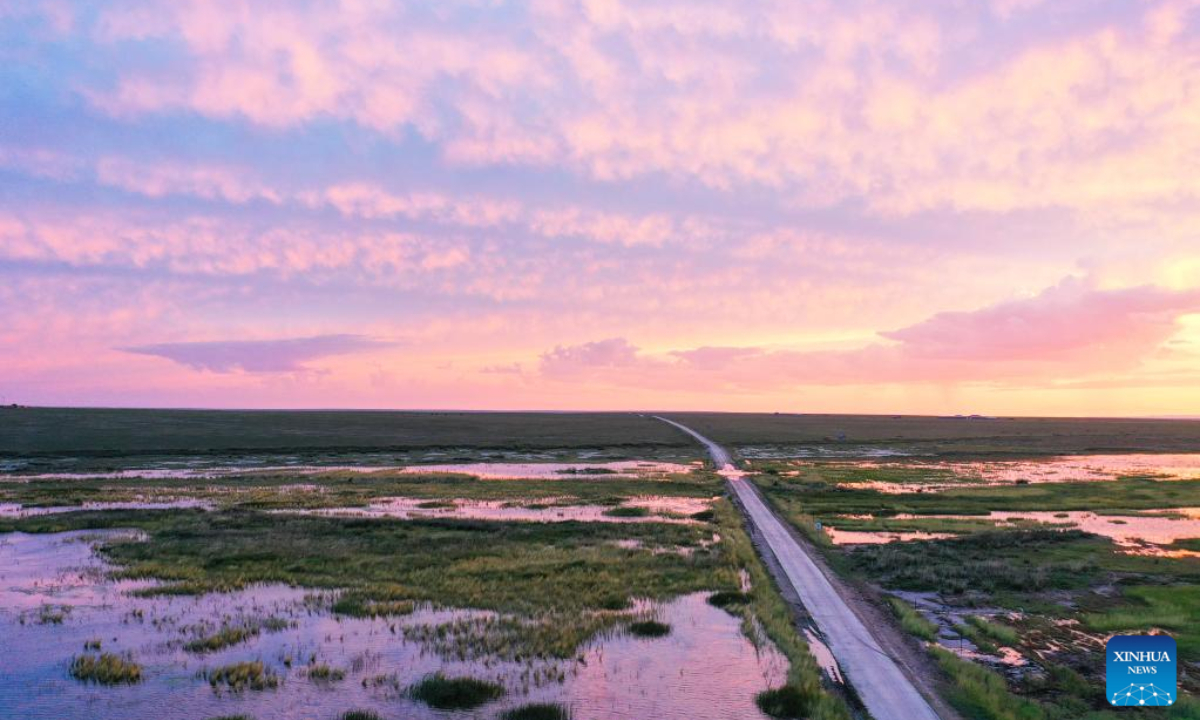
[{"x": 884, "y": 689}]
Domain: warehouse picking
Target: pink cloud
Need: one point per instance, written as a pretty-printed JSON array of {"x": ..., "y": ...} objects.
[
  {"x": 1072, "y": 331},
  {"x": 601, "y": 354},
  {"x": 259, "y": 356}
]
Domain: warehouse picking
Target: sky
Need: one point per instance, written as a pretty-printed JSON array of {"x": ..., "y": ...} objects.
[{"x": 951, "y": 206}]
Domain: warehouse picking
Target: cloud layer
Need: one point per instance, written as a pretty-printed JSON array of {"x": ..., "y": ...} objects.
[
  {"x": 602, "y": 203},
  {"x": 259, "y": 356},
  {"x": 1066, "y": 331}
]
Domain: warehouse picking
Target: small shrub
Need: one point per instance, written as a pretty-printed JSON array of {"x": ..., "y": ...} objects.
[
  {"x": 704, "y": 516},
  {"x": 614, "y": 602},
  {"x": 538, "y": 711},
  {"x": 649, "y": 628},
  {"x": 106, "y": 669},
  {"x": 788, "y": 701},
  {"x": 454, "y": 693},
  {"x": 727, "y": 599},
  {"x": 626, "y": 511}
]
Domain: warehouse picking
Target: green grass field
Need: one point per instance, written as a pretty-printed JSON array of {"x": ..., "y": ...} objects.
[
  {"x": 948, "y": 436},
  {"x": 115, "y": 433}
]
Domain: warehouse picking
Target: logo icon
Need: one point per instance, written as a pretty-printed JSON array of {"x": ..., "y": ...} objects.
[{"x": 1140, "y": 670}]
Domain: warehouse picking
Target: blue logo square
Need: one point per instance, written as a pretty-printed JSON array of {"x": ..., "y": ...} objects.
[{"x": 1140, "y": 670}]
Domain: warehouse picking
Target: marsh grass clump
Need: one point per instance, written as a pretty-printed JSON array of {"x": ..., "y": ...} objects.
[
  {"x": 455, "y": 693},
  {"x": 649, "y": 629},
  {"x": 374, "y": 602},
  {"x": 359, "y": 715},
  {"x": 913, "y": 622},
  {"x": 106, "y": 669},
  {"x": 242, "y": 676},
  {"x": 979, "y": 692},
  {"x": 728, "y": 599},
  {"x": 538, "y": 711},
  {"x": 324, "y": 674},
  {"x": 787, "y": 701},
  {"x": 998, "y": 632},
  {"x": 626, "y": 511},
  {"x": 51, "y": 615},
  {"x": 227, "y": 636},
  {"x": 511, "y": 638},
  {"x": 437, "y": 504}
]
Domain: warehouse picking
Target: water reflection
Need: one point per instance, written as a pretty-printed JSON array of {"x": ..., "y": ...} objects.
[
  {"x": 656, "y": 508},
  {"x": 704, "y": 669}
]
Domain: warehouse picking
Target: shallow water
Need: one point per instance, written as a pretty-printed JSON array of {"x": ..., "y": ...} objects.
[
  {"x": 555, "y": 471},
  {"x": 482, "y": 470},
  {"x": 704, "y": 669},
  {"x": 1067, "y": 468},
  {"x": 1139, "y": 534},
  {"x": 869, "y": 537},
  {"x": 15, "y": 510},
  {"x": 407, "y": 508},
  {"x": 784, "y": 452}
]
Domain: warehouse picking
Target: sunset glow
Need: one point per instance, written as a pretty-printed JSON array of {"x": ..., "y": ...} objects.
[{"x": 987, "y": 207}]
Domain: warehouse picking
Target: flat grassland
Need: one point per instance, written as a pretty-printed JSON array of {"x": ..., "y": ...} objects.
[
  {"x": 111, "y": 432},
  {"x": 948, "y": 435}
]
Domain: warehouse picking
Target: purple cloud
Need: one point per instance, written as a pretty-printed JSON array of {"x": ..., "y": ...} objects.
[{"x": 259, "y": 356}]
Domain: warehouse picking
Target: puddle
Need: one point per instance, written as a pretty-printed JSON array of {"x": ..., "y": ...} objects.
[
  {"x": 1135, "y": 534},
  {"x": 14, "y": 510},
  {"x": 555, "y": 471},
  {"x": 824, "y": 656},
  {"x": 482, "y": 470},
  {"x": 785, "y": 452},
  {"x": 1068, "y": 468},
  {"x": 705, "y": 669},
  {"x": 1142, "y": 534},
  {"x": 948, "y": 618},
  {"x": 659, "y": 509},
  {"x": 865, "y": 537}
]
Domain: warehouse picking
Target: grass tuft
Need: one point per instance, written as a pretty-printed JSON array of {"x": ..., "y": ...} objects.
[
  {"x": 788, "y": 701},
  {"x": 225, "y": 637},
  {"x": 913, "y": 622},
  {"x": 324, "y": 673},
  {"x": 538, "y": 711},
  {"x": 980, "y": 693},
  {"x": 242, "y": 676},
  {"x": 626, "y": 511},
  {"x": 455, "y": 693},
  {"x": 106, "y": 669},
  {"x": 726, "y": 599},
  {"x": 998, "y": 632},
  {"x": 649, "y": 629}
]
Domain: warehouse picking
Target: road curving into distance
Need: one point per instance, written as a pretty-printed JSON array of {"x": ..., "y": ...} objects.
[{"x": 884, "y": 689}]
